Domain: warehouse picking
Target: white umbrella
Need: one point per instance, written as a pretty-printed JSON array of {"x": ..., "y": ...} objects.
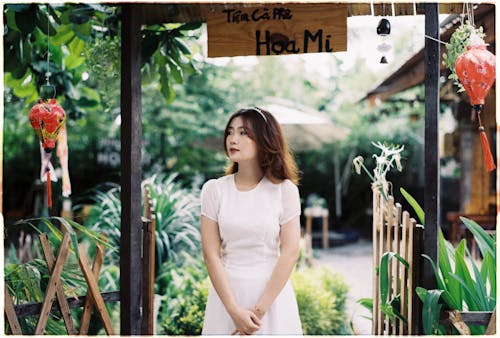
[{"x": 304, "y": 128}]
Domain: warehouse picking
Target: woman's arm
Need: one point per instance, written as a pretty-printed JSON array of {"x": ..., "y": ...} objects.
[
  {"x": 244, "y": 319},
  {"x": 289, "y": 238}
]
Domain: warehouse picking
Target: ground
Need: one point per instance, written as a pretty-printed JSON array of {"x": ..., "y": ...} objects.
[{"x": 355, "y": 262}]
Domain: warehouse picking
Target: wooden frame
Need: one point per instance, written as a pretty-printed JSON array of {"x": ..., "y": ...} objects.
[{"x": 131, "y": 265}]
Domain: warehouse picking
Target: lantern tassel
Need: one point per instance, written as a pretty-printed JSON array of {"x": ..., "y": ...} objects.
[
  {"x": 49, "y": 190},
  {"x": 488, "y": 157}
]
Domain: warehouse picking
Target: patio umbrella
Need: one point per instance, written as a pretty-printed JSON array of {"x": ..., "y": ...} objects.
[{"x": 304, "y": 128}]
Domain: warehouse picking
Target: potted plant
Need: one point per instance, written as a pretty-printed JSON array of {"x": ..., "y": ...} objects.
[{"x": 457, "y": 45}]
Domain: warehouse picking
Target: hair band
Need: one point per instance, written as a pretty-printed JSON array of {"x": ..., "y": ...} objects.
[{"x": 260, "y": 112}]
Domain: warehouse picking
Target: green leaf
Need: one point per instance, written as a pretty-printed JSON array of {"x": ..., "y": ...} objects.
[
  {"x": 10, "y": 19},
  {"x": 63, "y": 36},
  {"x": 18, "y": 7},
  {"x": 175, "y": 71},
  {"x": 83, "y": 30},
  {"x": 480, "y": 285},
  {"x": 76, "y": 46},
  {"x": 149, "y": 45},
  {"x": 484, "y": 241},
  {"x": 182, "y": 46},
  {"x": 431, "y": 309},
  {"x": 25, "y": 20},
  {"x": 85, "y": 102},
  {"x": 384, "y": 274},
  {"x": 72, "y": 61},
  {"x": 366, "y": 303},
  {"x": 81, "y": 14},
  {"x": 43, "y": 23},
  {"x": 53, "y": 14},
  {"x": 190, "y": 26},
  {"x": 414, "y": 204},
  {"x": 462, "y": 275},
  {"x": 396, "y": 305},
  {"x": 453, "y": 296}
]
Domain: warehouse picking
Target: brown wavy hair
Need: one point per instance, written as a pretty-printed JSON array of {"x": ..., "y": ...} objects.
[{"x": 276, "y": 159}]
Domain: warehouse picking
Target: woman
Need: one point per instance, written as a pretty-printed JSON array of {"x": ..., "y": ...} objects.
[{"x": 250, "y": 228}]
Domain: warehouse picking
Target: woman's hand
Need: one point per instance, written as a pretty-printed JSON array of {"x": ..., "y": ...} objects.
[
  {"x": 258, "y": 311},
  {"x": 245, "y": 320}
]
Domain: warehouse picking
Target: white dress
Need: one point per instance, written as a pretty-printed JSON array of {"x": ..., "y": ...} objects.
[{"x": 249, "y": 227}]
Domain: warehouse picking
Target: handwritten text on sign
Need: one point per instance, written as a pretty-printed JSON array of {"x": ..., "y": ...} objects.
[{"x": 277, "y": 29}]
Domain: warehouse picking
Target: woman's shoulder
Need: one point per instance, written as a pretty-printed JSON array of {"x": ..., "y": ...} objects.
[
  {"x": 285, "y": 185},
  {"x": 216, "y": 183}
]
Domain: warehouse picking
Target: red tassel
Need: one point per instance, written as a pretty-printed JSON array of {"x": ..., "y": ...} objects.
[
  {"x": 49, "y": 190},
  {"x": 488, "y": 157}
]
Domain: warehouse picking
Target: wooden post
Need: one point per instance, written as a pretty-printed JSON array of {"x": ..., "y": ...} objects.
[
  {"x": 326, "y": 240},
  {"x": 131, "y": 133},
  {"x": 93, "y": 290},
  {"x": 61, "y": 298},
  {"x": 88, "y": 306},
  {"x": 148, "y": 277},
  {"x": 53, "y": 283},
  {"x": 10, "y": 313},
  {"x": 431, "y": 195}
]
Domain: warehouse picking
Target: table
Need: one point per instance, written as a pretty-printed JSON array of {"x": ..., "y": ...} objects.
[
  {"x": 485, "y": 221},
  {"x": 316, "y": 212}
]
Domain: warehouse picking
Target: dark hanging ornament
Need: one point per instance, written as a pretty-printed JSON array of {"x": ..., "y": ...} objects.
[
  {"x": 384, "y": 27},
  {"x": 383, "y": 30}
]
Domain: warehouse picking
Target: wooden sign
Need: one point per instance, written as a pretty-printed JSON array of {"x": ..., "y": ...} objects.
[{"x": 275, "y": 29}]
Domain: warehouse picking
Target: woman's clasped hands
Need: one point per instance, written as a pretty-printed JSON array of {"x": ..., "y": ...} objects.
[{"x": 247, "y": 322}]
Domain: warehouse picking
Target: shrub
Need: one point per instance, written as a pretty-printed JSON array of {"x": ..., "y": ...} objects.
[
  {"x": 321, "y": 296},
  {"x": 185, "y": 289},
  {"x": 176, "y": 210}
]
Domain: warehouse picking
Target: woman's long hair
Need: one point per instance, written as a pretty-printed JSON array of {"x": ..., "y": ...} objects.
[{"x": 275, "y": 157}]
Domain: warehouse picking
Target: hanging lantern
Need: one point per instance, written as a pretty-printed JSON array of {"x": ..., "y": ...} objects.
[
  {"x": 475, "y": 69},
  {"x": 47, "y": 119}
]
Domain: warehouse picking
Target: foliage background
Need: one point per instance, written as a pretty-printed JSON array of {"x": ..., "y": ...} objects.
[{"x": 197, "y": 95}]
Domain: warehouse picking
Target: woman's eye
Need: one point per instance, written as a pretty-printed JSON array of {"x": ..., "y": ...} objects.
[{"x": 243, "y": 132}]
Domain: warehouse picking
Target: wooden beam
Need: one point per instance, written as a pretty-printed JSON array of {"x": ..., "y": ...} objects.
[
  {"x": 131, "y": 133},
  {"x": 31, "y": 309},
  {"x": 431, "y": 163},
  {"x": 154, "y": 13}
]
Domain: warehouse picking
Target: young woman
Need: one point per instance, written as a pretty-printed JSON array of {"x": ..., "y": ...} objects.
[{"x": 250, "y": 231}]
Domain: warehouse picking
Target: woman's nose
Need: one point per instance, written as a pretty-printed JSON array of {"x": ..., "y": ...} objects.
[{"x": 232, "y": 139}]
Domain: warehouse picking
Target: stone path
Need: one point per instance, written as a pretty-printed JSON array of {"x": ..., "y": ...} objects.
[{"x": 354, "y": 262}]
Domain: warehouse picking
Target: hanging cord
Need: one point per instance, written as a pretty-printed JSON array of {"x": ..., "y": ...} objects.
[
  {"x": 47, "y": 74},
  {"x": 437, "y": 40}
]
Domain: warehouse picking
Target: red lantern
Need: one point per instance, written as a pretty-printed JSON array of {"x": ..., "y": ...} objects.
[
  {"x": 476, "y": 70},
  {"x": 47, "y": 119}
]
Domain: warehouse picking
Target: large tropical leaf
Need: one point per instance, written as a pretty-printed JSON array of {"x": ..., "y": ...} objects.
[
  {"x": 414, "y": 204},
  {"x": 431, "y": 309}
]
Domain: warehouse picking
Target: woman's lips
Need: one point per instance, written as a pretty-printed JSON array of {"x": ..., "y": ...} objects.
[{"x": 233, "y": 150}]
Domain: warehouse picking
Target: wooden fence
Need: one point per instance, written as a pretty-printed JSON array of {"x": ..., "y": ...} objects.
[
  {"x": 56, "y": 301},
  {"x": 394, "y": 231}
]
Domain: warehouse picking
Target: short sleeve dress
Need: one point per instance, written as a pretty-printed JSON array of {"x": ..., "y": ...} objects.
[{"x": 249, "y": 226}]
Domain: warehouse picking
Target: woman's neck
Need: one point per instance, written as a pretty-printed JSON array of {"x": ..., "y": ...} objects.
[{"x": 249, "y": 174}]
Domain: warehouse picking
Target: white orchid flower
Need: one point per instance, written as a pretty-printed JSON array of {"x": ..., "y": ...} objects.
[{"x": 358, "y": 162}]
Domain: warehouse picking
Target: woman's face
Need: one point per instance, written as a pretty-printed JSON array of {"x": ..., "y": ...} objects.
[{"x": 240, "y": 147}]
